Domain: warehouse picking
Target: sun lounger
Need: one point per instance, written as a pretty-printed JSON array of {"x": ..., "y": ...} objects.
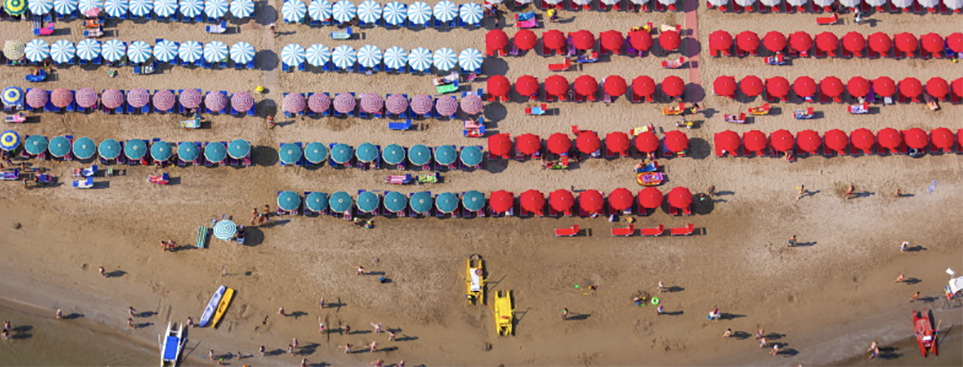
[
  {"x": 342, "y": 35},
  {"x": 761, "y": 110},
  {"x": 448, "y": 88},
  {"x": 859, "y": 109},
  {"x": 806, "y": 114},
  {"x": 673, "y": 64},
  {"x": 682, "y": 231},
  {"x": 161, "y": 179},
  {"x": 83, "y": 184},
  {"x": 85, "y": 172},
  {"x": 588, "y": 58},
  {"x": 564, "y": 66},
  {"x": 398, "y": 179},
  {"x": 217, "y": 28},
  {"x": 526, "y": 24},
  {"x": 674, "y": 110},
  {"x": 738, "y": 119},
  {"x": 41, "y": 76},
  {"x": 778, "y": 59},
  {"x": 400, "y": 126},
  {"x": 827, "y": 20},
  {"x": 567, "y": 232},
  {"x": 623, "y": 232},
  {"x": 202, "y": 232},
  {"x": 655, "y": 231},
  {"x": 537, "y": 110},
  {"x": 11, "y": 175},
  {"x": 17, "y": 118}
]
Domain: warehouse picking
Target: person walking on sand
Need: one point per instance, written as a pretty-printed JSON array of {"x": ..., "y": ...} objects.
[
  {"x": 261, "y": 351},
  {"x": 849, "y": 191},
  {"x": 658, "y": 310},
  {"x": 255, "y": 215},
  {"x": 360, "y": 270},
  {"x": 897, "y": 193},
  {"x": 391, "y": 336},
  {"x": 759, "y": 334},
  {"x": 130, "y": 323},
  {"x": 377, "y": 363},
  {"x": 60, "y": 314},
  {"x": 377, "y": 327},
  {"x": 304, "y": 362},
  {"x": 873, "y": 350},
  {"x": 791, "y": 242},
  {"x": 290, "y": 349},
  {"x": 6, "y": 325},
  {"x": 211, "y": 354},
  {"x": 281, "y": 311},
  {"x": 102, "y": 272},
  {"x": 802, "y": 192},
  {"x": 728, "y": 333},
  {"x": 346, "y": 330},
  {"x": 775, "y": 349},
  {"x": 711, "y": 191},
  {"x": 762, "y": 343},
  {"x": 321, "y": 303},
  {"x": 661, "y": 287},
  {"x": 903, "y": 247},
  {"x": 294, "y": 343},
  {"x": 320, "y": 328},
  {"x": 564, "y": 314},
  {"x": 5, "y": 334},
  {"x": 190, "y": 322},
  {"x": 899, "y": 279},
  {"x": 131, "y": 311},
  {"x": 915, "y": 297},
  {"x": 374, "y": 347},
  {"x": 347, "y": 348}
]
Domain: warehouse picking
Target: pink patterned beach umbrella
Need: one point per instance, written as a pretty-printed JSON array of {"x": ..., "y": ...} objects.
[
  {"x": 344, "y": 103},
  {"x": 86, "y": 97},
  {"x": 138, "y": 97},
  {"x": 112, "y": 98},
  {"x": 396, "y": 104},
  {"x": 421, "y": 104},
  {"x": 61, "y": 97},
  {"x": 37, "y": 98},
  {"x": 319, "y": 102},
  {"x": 190, "y": 98},
  {"x": 372, "y": 103},
  {"x": 293, "y": 103},
  {"x": 215, "y": 101},
  {"x": 242, "y": 101},
  {"x": 471, "y": 104},
  {"x": 163, "y": 100},
  {"x": 446, "y": 106}
]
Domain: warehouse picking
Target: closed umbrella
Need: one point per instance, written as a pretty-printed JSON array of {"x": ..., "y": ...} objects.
[
  {"x": 748, "y": 41},
  {"x": 675, "y": 141},
  {"x": 190, "y": 51},
  {"x": 138, "y": 97},
  {"x": 937, "y": 88},
  {"x": 395, "y": 57},
  {"x": 289, "y": 200},
  {"x": 809, "y": 141},
  {"x": 40, "y": 7},
  {"x": 446, "y": 202},
  {"x": 836, "y": 140},
  {"x": 215, "y": 51},
  {"x": 647, "y": 142},
  {"x": 445, "y": 11},
  {"x": 585, "y": 85},
  {"x": 444, "y": 59},
  {"x": 393, "y": 154},
  {"x": 190, "y": 98},
  {"x": 471, "y": 104},
  {"x": 161, "y": 151},
  {"x": 422, "y": 104},
  {"x": 532, "y": 201},
  {"x": 673, "y": 86},
  {"x": 319, "y": 103},
  {"x": 556, "y": 85},
  {"x": 37, "y": 98},
  {"x": 59, "y": 146},
  {"x": 163, "y": 100},
  {"x": 318, "y": 55},
  {"x": 558, "y": 143},
  {"x": 225, "y": 230},
  {"x": 293, "y": 103},
  {"x": 396, "y": 104},
  {"x": 315, "y": 152},
  {"x": 395, "y": 202},
  {"x": 372, "y": 103},
  {"x": 168, "y": 8},
  {"x": 884, "y": 86},
  {"x": 774, "y": 41},
  {"x": 319, "y": 10},
  {"x": 191, "y": 8},
  {"x": 420, "y": 59},
  {"x": 139, "y": 52},
  {"x": 470, "y": 13},
  {"x": 342, "y": 153},
  {"x": 419, "y": 13},
  {"x": 445, "y": 155},
  {"x": 471, "y": 156},
  {"x": 804, "y": 86},
  {"x": 84, "y": 148},
  {"x": 86, "y": 97},
  {"x": 65, "y": 7},
  {"x": 35, "y": 144},
  {"x": 855, "y": 43},
  {"x": 116, "y": 8},
  {"x": 470, "y": 59},
  {"x": 289, "y": 153},
  {"x": 340, "y": 202},
  {"x": 344, "y": 11},
  {"x": 112, "y": 98},
  {"x": 724, "y": 86},
  {"x": 165, "y": 51},
  {"x": 215, "y": 152},
  {"x": 293, "y": 54},
  {"x": 561, "y": 200},
  {"x": 114, "y": 50},
  {"x": 187, "y": 151},
  {"x": 63, "y": 51},
  {"x": 369, "y": 56},
  {"x": 473, "y": 201},
  {"x": 782, "y": 140},
  {"x": 718, "y": 41},
  {"x": 316, "y": 201},
  {"x": 12, "y": 96},
  {"x": 109, "y": 149},
  {"x": 241, "y": 8},
  {"x": 369, "y": 11},
  {"x": 831, "y": 86},
  {"x": 345, "y": 103},
  {"x": 395, "y": 13},
  {"x": 368, "y": 201},
  {"x": 37, "y": 50},
  {"x": 344, "y": 57},
  {"x": 242, "y": 52},
  {"x": 61, "y": 97},
  {"x": 141, "y": 8},
  {"x": 215, "y": 8},
  {"x": 421, "y": 202},
  {"x": 670, "y": 40},
  {"x": 525, "y": 39},
  {"x": 419, "y": 155},
  {"x": 293, "y": 11}
]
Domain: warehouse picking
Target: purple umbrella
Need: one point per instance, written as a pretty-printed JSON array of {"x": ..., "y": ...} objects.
[
  {"x": 421, "y": 104},
  {"x": 112, "y": 98},
  {"x": 446, "y": 105},
  {"x": 190, "y": 98},
  {"x": 372, "y": 103},
  {"x": 396, "y": 104},
  {"x": 319, "y": 102},
  {"x": 344, "y": 103},
  {"x": 138, "y": 97}
]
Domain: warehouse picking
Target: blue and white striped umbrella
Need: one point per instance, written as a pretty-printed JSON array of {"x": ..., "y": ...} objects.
[
  {"x": 344, "y": 56},
  {"x": 63, "y": 51},
  {"x": 470, "y": 13},
  {"x": 419, "y": 12},
  {"x": 215, "y": 51},
  {"x": 420, "y": 59},
  {"x": 40, "y": 7},
  {"x": 395, "y": 13},
  {"x": 113, "y": 50},
  {"x": 190, "y": 51},
  {"x": 292, "y": 54},
  {"x": 165, "y": 8},
  {"x": 141, "y": 8},
  {"x": 445, "y": 11},
  {"x": 215, "y": 8},
  {"x": 242, "y": 8},
  {"x": 86, "y": 5},
  {"x": 139, "y": 51},
  {"x": 225, "y": 230},
  {"x": 37, "y": 50},
  {"x": 165, "y": 51},
  {"x": 396, "y": 57},
  {"x": 293, "y": 11},
  {"x": 318, "y": 54},
  {"x": 344, "y": 11},
  {"x": 369, "y": 56},
  {"x": 444, "y": 59},
  {"x": 192, "y": 8},
  {"x": 470, "y": 59},
  {"x": 242, "y": 52},
  {"x": 369, "y": 11},
  {"x": 115, "y": 8},
  {"x": 88, "y": 49},
  {"x": 319, "y": 10},
  {"x": 65, "y": 7}
]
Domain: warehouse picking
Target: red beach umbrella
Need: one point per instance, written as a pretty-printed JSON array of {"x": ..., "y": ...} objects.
[
  {"x": 617, "y": 142},
  {"x": 676, "y": 141},
  {"x": 614, "y": 85},
  {"x": 957, "y": 87},
  {"x": 727, "y": 141},
  {"x": 525, "y": 39},
  {"x": 647, "y": 142},
  {"x": 558, "y": 143},
  {"x": 836, "y": 140},
  {"x": 884, "y": 86},
  {"x": 528, "y": 144},
  {"x": 755, "y": 141},
  {"x": 863, "y": 139},
  {"x": 804, "y": 86},
  {"x": 774, "y": 41},
  {"x": 782, "y": 140},
  {"x": 937, "y": 87},
  {"x": 553, "y": 40},
  {"x": 650, "y": 198},
  {"x": 526, "y": 85},
  {"x": 532, "y": 201},
  {"x": 591, "y": 201},
  {"x": 880, "y": 43},
  {"x": 640, "y": 40},
  {"x": 670, "y": 40},
  {"x": 720, "y": 41},
  {"x": 751, "y": 85},
  {"x": 809, "y": 141},
  {"x": 621, "y": 199},
  {"x": 588, "y": 142},
  {"x": 959, "y": 137},
  {"x": 556, "y": 85},
  {"x": 498, "y": 85},
  {"x": 889, "y": 138},
  {"x": 561, "y": 200},
  {"x": 801, "y": 42},
  {"x": 500, "y": 145},
  {"x": 748, "y": 41},
  {"x": 643, "y": 86},
  {"x": 911, "y": 88},
  {"x": 501, "y": 201},
  {"x": 932, "y": 43},
  {"x": 582, "y": 40},
  {"x": 906, "y": 43},
  {"x": 724, "y": 86},
  {"x": 110, "y": 98},
  {"x": 680, "y": 197},
  {"x": 916, "y": 138},
  {"x": 942, "y": 138},
  {"x": 857, "y": 86},
  {"x": 611, "y": 41},
  {"x": 855, "y": 43},
  {"x": 778, "y": 86},
  {"x": 586, "y": 85},
  {"x": 832, "y": 87},
  {"x": 673, "y": 86},
  {"x": 955, "y": 41},
  {"x": 827, "y": 42},
  {"x": 496, "y": 39}
]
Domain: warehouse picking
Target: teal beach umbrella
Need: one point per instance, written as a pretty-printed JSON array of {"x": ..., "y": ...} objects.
[
  {"x": 59, "y": 146},
  {"x": 289, "y": 200},
  {"x": 393, "y": 154},
  {"x": 161, "y": 151},
  {"x": 316, "y": 201},
  {"x": 215, "y": 152},
  {"x": 421, "y": 202},
  {"x": 368, "y": 201},
  {"x": 289, "y": 153},
  {"x": 342, "y": 153},
  {"x": 419, "y": 155},
  {"x": 187, "y": 151},
  {"x": 239, "y": 148},
  {"x": 340, "y": 202},
  {"x": 473, "y": 200},
  {"x": 446, "y": 202},
  {"x": 109, "y": 149},
  {"x": 84, "y": 148},
  {"x": 315, "y": 153},
  {"x": 366, "y": 152},
  {"x": 135, "y": 148},
  {"x": 35, "y": 144},
  {"x": 445, "y": 155},
  {"x": 471, "y": 156},
  {"x": 395, "y": 201}
]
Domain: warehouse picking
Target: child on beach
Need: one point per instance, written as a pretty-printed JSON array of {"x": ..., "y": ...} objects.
[
  {"x": 727, "y": 334},
  {"x": 791, "y": 242},
  {"x": 904, "y": 246}
]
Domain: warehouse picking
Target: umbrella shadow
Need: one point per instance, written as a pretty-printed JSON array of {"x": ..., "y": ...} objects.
[
  {"x": 265, "y": 13},
  {"x": 690, "y": 47},
  {"x": 266, "y": 60},
  {"x": 703, "y": 207},
  {"x": 694, "y": 93},
  {"x": 253, "y": 236},
  {"x": 494, "y": 112},
  {"x": 495, "y": 66},
  {"x": 264, "y": 156},
  {"x": 266, "y": 107},
  {"x": 699, "y": 148}
]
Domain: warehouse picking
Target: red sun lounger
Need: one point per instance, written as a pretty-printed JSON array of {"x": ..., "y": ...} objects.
[
  {"x": 567, "y": 232},
  {"x": 624, "y": 232},
  {"x": 682, "y": 231},
  {"x": 657, "y": 231}
]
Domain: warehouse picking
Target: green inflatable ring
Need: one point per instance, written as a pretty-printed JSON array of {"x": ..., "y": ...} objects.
[{"x": 655, "y": 301}]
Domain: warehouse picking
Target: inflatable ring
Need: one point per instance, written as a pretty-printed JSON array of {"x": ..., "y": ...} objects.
[
  {"x": 655, "y": 301},
  {"x": 478, "y": 272}
]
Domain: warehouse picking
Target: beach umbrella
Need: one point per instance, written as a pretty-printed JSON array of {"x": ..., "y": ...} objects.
[
  {"x": 446, "y": 105},
  {"x": 342, "y": 153},
  {"x": 366, "y": 152},
  {"x": 582, "y": 40},
  {"x": 40, "y": 7},
  {"x": 395, "y": 57},
  {"x": 473, "y": 201},
  {"x": 851, "y": 4},
  {"x": 906, "y": 43},
  {"x": 14, "y": 50},
  {"x": 445, "y": 155},
  {"x": 617, "y": 142},
  {"x": 59, "y": 146},
  {"x": 112, "y": 98},
  {"x": 289, "y": 200},
  {"x": 727, "y": 141},
  {"x": 395, "y": 201},
  {"x": 191, "y": 8},
  {"x": 942, "y": 138},
  {"x": 116, "y": 8},
  {"x": 880, "y": 43},
  {"x": 65, "y": 7},
  {"x": 419, "y": 155},
  {"x": 167, "y": 8},
  {"x": 190, "y": 51},
  {"x": 138, "y": 97},
  {"x": 369, "y": 11},
  {"x": 782, "y": 140},
  {"x": 319, "y": 103},
  {"x": 293, "y": 103},
  {"x": 446, "y": 202},
  {"x": 419, "y": 13},
  {"x": 12, "y": 96},
  {"x": 37, "y": 98},
  {"x": 471, "y": 156},
  {"x": 670, "y": 40},
  {"x": 470, "y": 59},
  {"x": 293, "y": 54},
  {"x": 748, "y": 41},
  {"x": 911, "y": 88},
  {"x": 561, "y": 200},
  {"x": 718, "y": 41},
  {"x": 241, "y": 52},
  {"x": 932, "y": 43},
  {"x": 558, "y": 143},
  {"x": 319, "y": 10},
  {"x": 554, "y": 40},
  {"x": 585, "y": 85},
  {"x": 774, "y": 41},
  {"x": 240, "y": 8},
  {"x": 225, "y": 229},
  {"x": 344, "y": 57},
  {"x": 160, "y": 151},
  {"x": 643, "y": 86},
  {"x": 393, "y": 154},
  {"x": 165, "y": 51},
  {"x": 673, "y": 86},
  {"x": 836, "y": 140},
  {"x": 293, "y": 11},
  {"x": 317, "y": 54},
  {"x": 556, "y": 85},
  {"x": 61, "y": 97},
  {"x": 527, "y": 85},
  {"x": 215, "y": 152},
  {"x": 745, "y": 3},
  {"x": 190, "y": 98},
  {"x": 809, "y": 141},
  {"x": 86, "y": 97},
  {"x": 650, "y": 198},
  {"x": 344, "y": 11},
  {"x": 884, "y": 86},
  {"x": 857, "y": 86},
  {"x": 724, "y": 86},
  {"x": 827, "y": 42},
  {"x": 800, "y": 41},
  {"x": 831, "y": 86},
  {"x": 778, "y": 87},
  {"x": 289, "y": 153},
  {"x": 955, "y": 42},
  {"x": 216, "y": 51},
  {"x": 647, "y": 142},
  {"x": 471, "y": 104},
  {"x": 139, "y": 52},
  {"x": 368, "y": 201},
  {"x": 854, "y": 42},
  {"x": 675, "y": 141},
  {"x": 888, "y": 138},
  {"x": 421, "y": 202},
  {"x": 109, "y": 149},
  {"x": 532, "y": 201},
  {"x": 396, "y": 104},
  {"x": 588, "y": 142},
  {"x": 14, "y": 7},
  {"x": 937, "y": 88},
  {"x": 916, "y": 138},
  {"x": 470, "y": 13},
  {"x": 215, "y": 8},
  {"x": 315, "y": 152},
  {"x": 369, "y": 56},
  {"x": 422, "y": 104},
  {"x": 498, "y": 85},
  {"x": 499, "y": 145},
  {"x": 444, "y": 59},
  {"x": 680, "y": 197},
  {"x": 344, "y": 103},
  {"x": 954, "y": 5},
  {"x": 804, "y": 86},
  {"x": 420, "y": 59},
  {"x": 35, "y": 144},
  {"x": 141, "y": 8},
  {"x": 445, "y": 11},
  {"x": 715, "y": 3},
  {"x": 215, "y": 101},
  {"x": 10, "y": 140},
  {"x": 372, "y": 103},
  {"x": 611, "y": 41},
  {"x": 340, "y": 202},
  {"x": 956, "y": 87},
  {"x": 37, "y": 50},
  {"x": 316, "y": 201},
  {"x": 621, "y": 199},
  {"x": 163, "y": 100},
  {"x": 525, "y": 39},
  {"x": 395, "y": 13},
  {"x": 187, "y": 151},
  {"x": 614, "y": 85},
  {"x": 591, "y": 201}
]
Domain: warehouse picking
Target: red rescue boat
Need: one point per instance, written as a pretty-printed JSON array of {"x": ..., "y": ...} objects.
[{"x": 925, "y": 335}]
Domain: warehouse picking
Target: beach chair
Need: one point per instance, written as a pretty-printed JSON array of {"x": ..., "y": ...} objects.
[
  {"x": 202, "y": 233},
  {"x": 161, "y": 179},
  {"x": 11, "y": 175},
  {"x": 682, "y": 231},
  {"x": 217, "y": 28},
  {"x": 563, "y": 66},
  {"x": 673, "y": 64},
  {"x": 828, "y": 20},
  {"x": 567, "y": 232},
  {"x": 655, "y": 231},
  {"x": 400, "y": 126},
  {"x": 669, "y": 111},
  {"x": 859, "y": 109},
  {"x": 623, "y": 232},
  {"x": 447, "y": 88},
  {"x": 537, "y": 110},
  {"x": 83, "y": 184},
  {"x": 778, "y": 59},
  {"x": 398, "y": 179},
  {"x": 761, "y": 110},
  {"x": 588, "y": 58},
  {"x": 342, "y": 35}
]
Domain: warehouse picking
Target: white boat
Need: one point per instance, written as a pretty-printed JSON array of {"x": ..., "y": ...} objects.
[{"x": 172, "y": 344}]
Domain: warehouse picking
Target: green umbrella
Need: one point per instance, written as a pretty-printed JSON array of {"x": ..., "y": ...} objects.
[
  {"x": 473, "y": 200},
  {"x": 342, "y": 153},
  {"x": 289, "y": 200},
  {"x": 419, "y": 155},
  {"x": 239, "y": 148},
  {"x": 393, "y": 154},
  {"x": 59, "y": 146},
  {"x": 161, "y": 151},
  {"x": 421, "y": 202},
  {"x": 215, "y": 152},
  {"x": 289, "y": 153},
  {"x": 35, "y": 144},
  {"x": 366, "y": 152},
  {"x": 446, "y": 202},
  {"x": 109, "y": 149},
  {"x": 368, "y": 201},
  {"x": 340, "y": 202},
  {"x": 316, "y": 201},
  {"x": 135, "y": 148},
  {"x": 471, "y": 156},
  {"x": 445, "y": 155},
  {"x": 84, "y": 148},
  {"x": 187, "y": 151},
  {"x": 395, "y": 201},
  {"x": 315, "y": 153}
]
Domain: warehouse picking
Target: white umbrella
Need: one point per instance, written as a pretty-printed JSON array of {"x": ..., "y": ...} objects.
[
  {"x": 445, "y": 11},
  {"x": 165, "y": 51},
  {"x": 953, "y": 4},
  {"x": 37, "y": 50},
  {"x": 500, "y": 1},
  {"x": 420, "y": 59},
  {"x": 113, "y": 50},
  {"x": 318, "y": 54},
  {"x": 65, "y": 7},
  {"x": 718, "y": 3},
  {"x": 242, "y": 52},
  {"x": 903, "y": 4},
  {"x": 523, "y": 2},
  {"x": 396, "y": 57},
  {"x": 610, "y": 2},
  {"x": 470, "y": 13},
  {"x": 87, "y": 5},
  {"x": 444, "y": 59},
  {"x": 850, "y": 3},
  {"x": 419, "y": 13},
  {"x": 344, "y": 57},
  {"x": 40, "y": 7},
  {"x": 88, "y": 49},
  {"x": 293, "y": 11},
  {"x": 165, "y": 8},
  {"x": 344, "y": 11},
  {"x": 191, "y": 8},
  {"x": 319, "y": 10},
  {"x": 470, "y": 59},
  {"x": 225, "y": 230},
  {"x": 770, "y": 2},
  {"x": 63, "y": 51},
  {"x": 215, "y": 8},
  {"x": 292, "y": 54},
  {"x": 115, "y": 8},
  {"x": 929, "y": 4},
  {"x": 242, "y": 8},
  {"x": 139, "y": 51},
  {"x": 369, "y": 56},
  {"x": 745, "y": 3},
  {"x": 369, "y": 12},
  {"x": 870, "y": 2},
  {"x": 824, "y": 3},
  {"x": 667, "y": 2},
  {"x": 395, "y": 13},
  {"x": 798, "y": 3},
  {"x": 215, "y": 51},
  {"x": 190, "y": 51},
  {"x": 141, "y": 8},
  {"x": 582, "y": 2},
  {"x": 556, "y": 2}
]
